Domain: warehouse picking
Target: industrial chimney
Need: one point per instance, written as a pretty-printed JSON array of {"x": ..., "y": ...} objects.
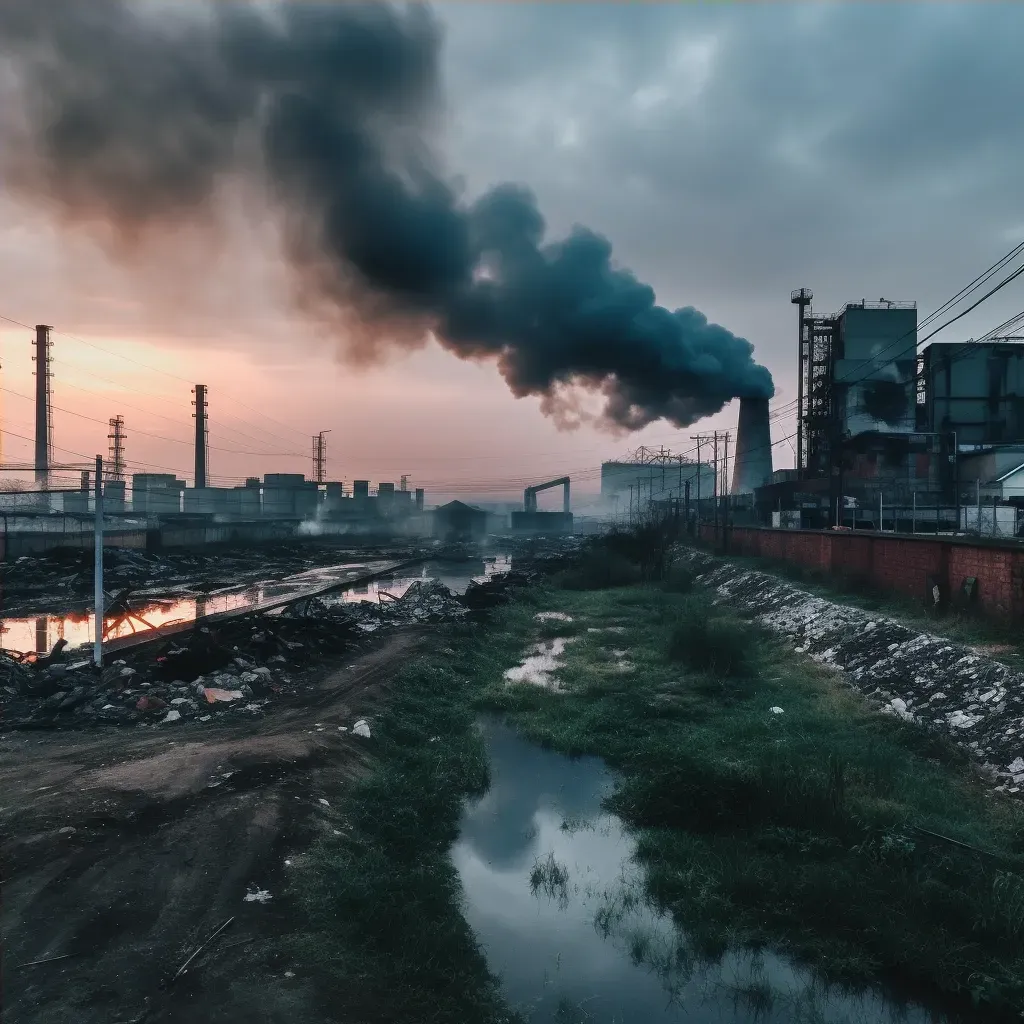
[{"x": 752, "y": 466}]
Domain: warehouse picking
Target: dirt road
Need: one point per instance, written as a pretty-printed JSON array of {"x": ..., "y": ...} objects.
[{"x": 125, "y": 850}]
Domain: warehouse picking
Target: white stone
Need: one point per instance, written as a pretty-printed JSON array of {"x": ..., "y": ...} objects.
[{"x": 361, "y": 728}]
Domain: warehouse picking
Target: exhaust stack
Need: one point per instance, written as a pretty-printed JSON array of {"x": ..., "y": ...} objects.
[{"x": 753, "y": 463}]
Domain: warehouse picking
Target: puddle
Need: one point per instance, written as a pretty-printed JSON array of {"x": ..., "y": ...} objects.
[
  {"x": 539, "y": 665},
  {"x": 554, "y": 899},
  {"x": 456, "y": 576},
  {"x": 39, "y": 633}
]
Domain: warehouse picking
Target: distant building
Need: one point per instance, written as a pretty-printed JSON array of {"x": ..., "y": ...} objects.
[
  {"x": 458, "y": 521},
  {"x": 656, "y": 479}
]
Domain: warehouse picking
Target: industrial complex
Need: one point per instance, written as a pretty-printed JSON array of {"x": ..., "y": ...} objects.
[{"x": 888, "y": 435}]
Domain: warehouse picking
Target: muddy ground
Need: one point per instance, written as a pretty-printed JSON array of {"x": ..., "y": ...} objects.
[{"x": 125, "y": 851}]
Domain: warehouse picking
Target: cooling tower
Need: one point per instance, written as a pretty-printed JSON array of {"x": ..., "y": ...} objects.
[{"x": 752, "y": 466}]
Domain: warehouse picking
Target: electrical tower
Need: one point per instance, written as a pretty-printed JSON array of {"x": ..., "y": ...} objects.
[
  {"x": 116, "y": 448},
  {"x": 320, "y": 456},
  {"x": 202, "y": 434},
  {"x": 44, "y": 409}
]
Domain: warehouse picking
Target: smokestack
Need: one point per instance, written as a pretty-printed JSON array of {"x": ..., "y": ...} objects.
[
  {"x": 44, "y": 414},
  {"x": 752, "y": 466}
]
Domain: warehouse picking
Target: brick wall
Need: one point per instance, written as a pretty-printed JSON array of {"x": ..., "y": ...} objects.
[{"x": 894, "y": 562}]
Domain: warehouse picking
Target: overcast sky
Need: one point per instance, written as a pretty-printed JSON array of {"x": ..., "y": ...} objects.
[{"x": 730, "y": 152}]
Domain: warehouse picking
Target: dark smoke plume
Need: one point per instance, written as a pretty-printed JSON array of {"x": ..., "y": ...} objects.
[{"x": 137, "y": 113}]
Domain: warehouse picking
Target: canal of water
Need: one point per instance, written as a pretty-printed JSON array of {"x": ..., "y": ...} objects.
[{"x": 556, "y": 900}]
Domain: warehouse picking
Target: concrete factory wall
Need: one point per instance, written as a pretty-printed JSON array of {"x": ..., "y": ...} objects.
[{"x": 897, "y": 563}]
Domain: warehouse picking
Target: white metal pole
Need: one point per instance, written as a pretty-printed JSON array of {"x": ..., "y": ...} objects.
[
  {"x": 98, "y": 574},
  {"x": 978, "y": 524}
]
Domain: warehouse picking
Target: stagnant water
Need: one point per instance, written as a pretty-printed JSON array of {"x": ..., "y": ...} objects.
[
  {"x": 38, "y": 633},
  {"x": 556, "y": 901}
]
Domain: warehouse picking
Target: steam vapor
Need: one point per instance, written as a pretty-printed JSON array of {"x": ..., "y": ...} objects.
[{"x": 137, "y": 114}]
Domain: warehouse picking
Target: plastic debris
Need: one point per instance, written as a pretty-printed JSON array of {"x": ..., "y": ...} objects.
[
  {"x": 361, "y": 728},
  {"x": 215, "y": 693},
  {"x": 171, "y": 716},
  {"x": 257, "y": 895},
  {"x": 776, "y": 710}
]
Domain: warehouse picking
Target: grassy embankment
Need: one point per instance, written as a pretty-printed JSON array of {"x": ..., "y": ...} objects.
[{"x": 791, "y": 831}]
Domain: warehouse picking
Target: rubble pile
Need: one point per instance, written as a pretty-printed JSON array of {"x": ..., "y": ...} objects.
[
  {"x": 929, "y": 680},
  {"x": 242, "y": 664}
]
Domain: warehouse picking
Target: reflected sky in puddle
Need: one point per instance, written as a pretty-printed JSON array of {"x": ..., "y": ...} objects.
[
  {"x": 456, "y": 576},
  {"x": 556, "y": 902},
  {"x": 39, "y": 633}
]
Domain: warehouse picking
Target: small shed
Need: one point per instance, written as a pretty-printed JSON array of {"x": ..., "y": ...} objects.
[{"x": 458, "y": 521}]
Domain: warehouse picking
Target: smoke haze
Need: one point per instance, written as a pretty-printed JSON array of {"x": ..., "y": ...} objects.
[{"x": 134, "y": 116}]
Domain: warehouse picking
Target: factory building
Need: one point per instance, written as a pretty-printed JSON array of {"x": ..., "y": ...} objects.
[
  {"x": 973, "y": 389},
  {"x": 857, "y": 373},
  {"x": 458, "y": 522}
]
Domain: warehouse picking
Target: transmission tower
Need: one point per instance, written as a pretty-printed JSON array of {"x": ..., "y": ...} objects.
[
  {"x": 44, "y": 408},
  {"x": 320, "y": 456},
  {"x": 116, "y": 448}
]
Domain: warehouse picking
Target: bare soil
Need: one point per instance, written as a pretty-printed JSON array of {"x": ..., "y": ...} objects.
[{"x": 124, "y": 851}]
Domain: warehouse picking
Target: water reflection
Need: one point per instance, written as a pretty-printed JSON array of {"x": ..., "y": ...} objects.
[
  {"x": 456, "y": 576},
  {"x": 39, "y": 633},
  {"x": 556, "y": 901}
]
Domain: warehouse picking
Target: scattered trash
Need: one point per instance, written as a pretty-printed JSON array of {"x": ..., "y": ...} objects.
[
  {"x": 776, "y": 710},
  {"x": 324, "y": 802},
  {"x": 184, "y": 967},
  {"x": 361, "y": 728},
  {"x": 214, "y": 694},
  {"x": 255, "y": 895},
  {"x": 171, "y": 716},
  {"x": 552, "y": 617}
]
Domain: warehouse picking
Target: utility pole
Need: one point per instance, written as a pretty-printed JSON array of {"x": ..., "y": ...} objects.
[
  {"x": 98, "y": 567},
  {"x": 44, "y": 410},
  {"x": 320, "y": 457},
  {"x": 116, "y": 448},
  {"x": 202, "y": 434}
]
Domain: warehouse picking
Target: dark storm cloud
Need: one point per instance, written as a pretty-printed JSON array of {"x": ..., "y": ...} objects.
[
  {"x": 860, "y": 149},
  {"x": 137, "y": 116}
]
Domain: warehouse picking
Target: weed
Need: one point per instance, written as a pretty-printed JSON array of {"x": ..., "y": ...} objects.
[
  {"x": 598, "y": 570},
  {"x": 711, "y": 643},
  {"x": 551, "y": 878}
]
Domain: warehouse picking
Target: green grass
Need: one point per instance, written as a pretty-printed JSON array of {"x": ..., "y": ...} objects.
[
  {"x": 385, "y": 939},
  {"x": 793, "y": 831}
]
